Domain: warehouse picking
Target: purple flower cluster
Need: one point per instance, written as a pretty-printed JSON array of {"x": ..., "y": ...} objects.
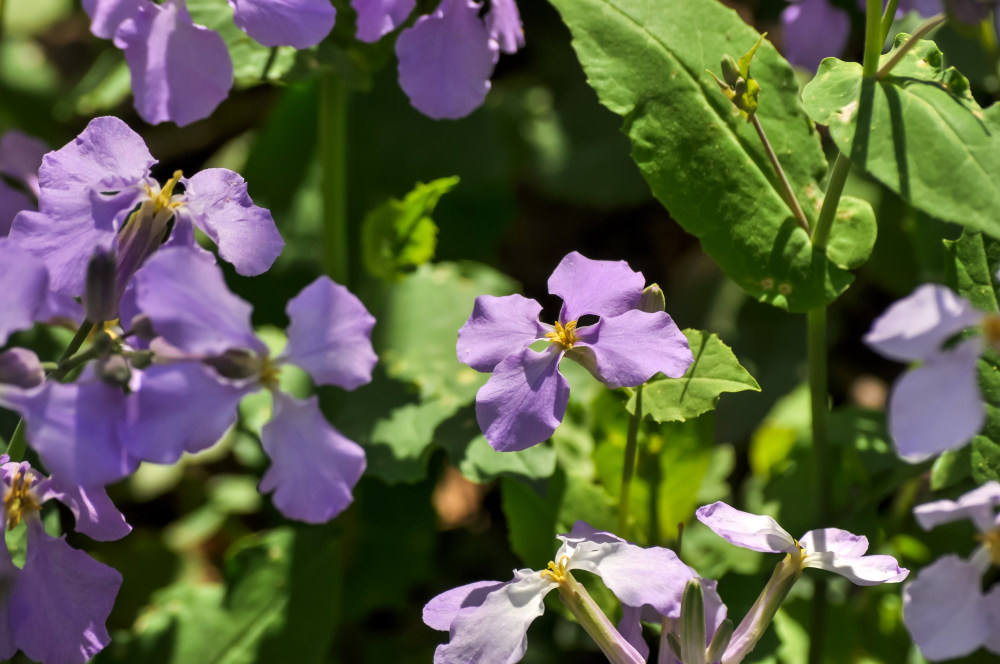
[
  {"x": 526, "y": 396},
  {"x": 182, "y": 71}
]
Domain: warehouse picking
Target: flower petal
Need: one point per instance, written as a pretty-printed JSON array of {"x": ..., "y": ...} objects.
[
  {"x": 60, "y": 601},
  {"x": 313, "y": 466},
  {"x": 835, "y": 540},
  {"x": 96, "y": 516},
  {"x": 446, "y": 59},
  {"x": 504, "y": 25},
  {"x": 495, "y": 632},
  {"x": 629, "y": 349},
  {"x": 330, "y": 335},
  {"x": 601, "y": 288},
  {"x": 991, "y": 606},
  {"x": 20, "y": 367},
  {"x": 107, "y": 15},
  {"x": 440, "y": 612},
  {"x": 523, "y": 401},
  {"x": 217, "y": 201},
  {"x": 21, "y": 157},
  {"x": 862, "y": 571},
  {"x": 937, "y": 406},
  {"x": 750, "y": 531},
  {"x": 942, "y": 609},
  {"x": 915, "y": 327},
  {"x": 496, "y": 328},
  {"x": 184, "y": 294},
  {"x": 24, "y": 281},
  {"x": 298, "y": 23},
  {"x": 978, "y": 505},
  {"x": 813, "y": 30},
  {"x": 180, "y": 71},
  {"x": 12, "y": 201},
  {"x": 377, "y": 18}
]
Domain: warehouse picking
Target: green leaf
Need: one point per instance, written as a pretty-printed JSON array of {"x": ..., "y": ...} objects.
[
  {"x": 950, "y": 468},
  {"x": 971, "y": 268},
  {"x": 399, "y": 236},
  {"x": 985, "y": 460},
  {"x": 929, "y": 141},
  {"x": 852, "y": 236},
  {"x": 648, "y": 64},
  {"x": 715, "y": 370},
  {"x": 531, "y": 518},
  {"x": 481, "y": 463}
]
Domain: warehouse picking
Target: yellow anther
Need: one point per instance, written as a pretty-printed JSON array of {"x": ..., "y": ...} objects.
[
  {"x": 557, "y": 572},
  {"x": 991, "y": 541},
  {"x": 565, "y": 336},
  {"x": 269, "y": 373},
  {"x": 161, "y": 199},
  {"x": 19, "y": 499}
]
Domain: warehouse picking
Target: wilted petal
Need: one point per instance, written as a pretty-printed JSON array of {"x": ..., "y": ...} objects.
[
  {"x": 330, "y": 335},
  {"x": 750, "y": 531},
  {"x": 20, "y": 367},
  {"x": 504, "y": 24},
  {"x": 863, "y": 571},
  {"x": 107, "y": 15},
  {"x": 629, "y": 349},
  {"x": 24, "y": 282},
  {"x": 184, "y": 294},
  {"x": 440, "y": 612},
  {"x": 943, "y": 609},
  {"x": 601, "y": 288},
  {"x": 446, "y": 60},
  {"x": 298, "y": 23},
  {"x": 523, "y": 401},
  {"x": 180, "y": 71},
  {"x": 96, "y": 516},
  {"x": 313, "y": 466},
  {"x": 978, "y": 505},
  {"x": 495, "y": 632},
  {"x": 813, "y": 30},
  {"x": 498, "y": 327},
  {"x": 377, "y": 18},
  {"x": 21, "y": 157},
  {"x": 12, "y": 201},
  {"x": 60, "y": 601},
  {"x": 937, "y": 406},
  {"x": 181, "y": 407},
  {"x": 217, "y": 201},
  {"x": 915, "y": 327}
]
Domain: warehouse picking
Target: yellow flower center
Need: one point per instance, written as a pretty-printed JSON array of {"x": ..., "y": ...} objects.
[
  {"x": 269, "y": 373},
  {"x": 557, "y": 572},
  {"x": 19, "y": 500},
  {"x": 161, "y": 199},
  {"x": 991, "y": 541},
  {"x": 565, "y": 336}
]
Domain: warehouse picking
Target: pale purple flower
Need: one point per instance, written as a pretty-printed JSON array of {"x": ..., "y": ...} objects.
[
  {"x": 90, "y": 187},
  {"x": 20, "y": 157},
  {"x": 525, "y": 399},
  {"x": 27, "y": 295},
  {"x": 831, "y": 549},
  {"x": 944, "y": 608},
  {"x": 630, "y": 626},
  {"x": 377, "y": 18},
  {"x": 936, "y": 406},
  {"x": 58, "y": 602},
  {"x": 313, "y": 466},
  {"x": 447, "y": 57},
  {"x": 488, "y": 621}
]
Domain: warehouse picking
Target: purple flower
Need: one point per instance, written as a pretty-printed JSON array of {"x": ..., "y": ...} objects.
[
  {"x": 20, "y": 157},
  {"x": 90, "y": 187},
  {"x": 377, "y": 18},
  {"x": 313, "y": 466},
  {"x": 59, "y": 601},
  {"x": 488, "y": 620},
  {"x": 831, "y": 549},
  {"x": 936, "y": 406},
  {"x": 525, "y": 399},
  {"x": 944, "y": 608},
  {"x": 447, "y": 57},
  {"x": 631, "y": 627}
]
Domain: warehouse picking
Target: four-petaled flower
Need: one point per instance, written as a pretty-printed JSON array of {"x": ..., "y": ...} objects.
[{"x": 525, "y": 399}]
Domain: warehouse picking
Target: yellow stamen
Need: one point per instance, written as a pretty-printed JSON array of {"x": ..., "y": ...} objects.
[
  {"x": 991, "y": 541},
  {"x": 557, "y": 573},
  {"x": 19, "y": 500},
  {"x": 161, "y": 199},
  {"x": 269, "y": 373},
  {"x": 565, "y": 336}
]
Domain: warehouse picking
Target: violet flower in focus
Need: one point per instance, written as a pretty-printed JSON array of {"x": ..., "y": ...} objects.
[
  {"x": 944, "y": 607},
  {"x": 525, "y": 399},
  {"x": 936, "y": 406},
  {"x": 313, "y": 466}
]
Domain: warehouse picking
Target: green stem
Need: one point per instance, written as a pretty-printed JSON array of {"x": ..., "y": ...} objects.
[
  {"x": 918, "y": 34},
  {"x": 333, "y": 164},
  {"x": 17, "y": 444},
  {"x": 831, "y": 199},
  {"x": 596, "y": 623},
  {"x": 82, "y": 332},
  {"x": 631, "y": 446},
  {"x": 817, "y": 357},
  {"x": 873, "y": 38},
  {"x": 271, "y": 57},
  {"x": 888, "y": 16},
  {"x": 786, "y": 188}
]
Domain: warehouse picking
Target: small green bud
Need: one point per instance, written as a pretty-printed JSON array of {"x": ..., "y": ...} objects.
[
  {"x": 104, "y": 344},
  {"x": 141, "y": 359},
  {"x": 115, "y": 370},
  {"x": 730, "y": 70},
  {"x": 720, "y": 640},
  {"x": 693, "y": 624},
  {"x": 652, "y": 299}
]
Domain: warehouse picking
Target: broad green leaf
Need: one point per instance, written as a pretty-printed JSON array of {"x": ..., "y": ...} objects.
[
  {"x": 399, "y": 236},
  {"x": 951, "y": 468},
  {"x": 481, "y": 463},
  {"x": 985, "y": 460},
  {"x": 852, "y": 236},
  {"x": 972, "y": 266},
  {"x": 401, "y": 443},
  {"x": 531, "y": 518},
  {"x": 715, "y": 371},
  {"x": 647, "y": 62},
  {"x": 926, "y": 139}
]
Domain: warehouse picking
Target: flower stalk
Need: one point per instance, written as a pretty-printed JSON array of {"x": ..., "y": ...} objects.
[
  {"x": 596, "y": 623},
  {"x": 628, "y": 469},
  {"x": 332, "y": 125}
]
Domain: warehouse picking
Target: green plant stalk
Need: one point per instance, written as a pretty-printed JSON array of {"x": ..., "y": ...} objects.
[
  {"x": 332, "y": 129},
  {"x": 888, "y": 16},
  {"x": 628, "y": 469},
  {"x": 595, "y": 623},
  {"x": 18, "y": 444},
  {"x": 918, "y": 34},
  {"x": 82, "y": 332},
  {"x": 786, "y": 188},
  {"x": 759, "y": 617},
  {"x": 873, "y": 38}
]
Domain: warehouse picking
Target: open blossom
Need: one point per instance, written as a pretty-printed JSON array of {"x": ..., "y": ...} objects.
[
  {"x": 488, "y": 620},
  {"x": 58, "y": 602},
  {"x": 936, "y": 406},
  {"x": 944, "y": 608},
  {"x": 87, "y": 193},
  {"x": 313, "y": 466},
  {"x": 20, "y": 157},
  {"x": 525, "y": 399}
]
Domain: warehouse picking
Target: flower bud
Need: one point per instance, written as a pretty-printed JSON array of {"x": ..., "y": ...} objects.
[
  {"x": 652, "y": 299},
  {"x": 100, "y": 298},
  {"x": 115, "y": 369}
]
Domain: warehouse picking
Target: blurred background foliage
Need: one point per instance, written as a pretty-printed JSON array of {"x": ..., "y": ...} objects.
[{"x": 214, "y": 574}]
